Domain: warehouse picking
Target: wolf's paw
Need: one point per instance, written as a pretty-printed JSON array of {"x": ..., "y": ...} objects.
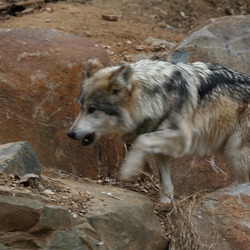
[
  {"x": 132, "y": 165},
  {"x": 128, "y": 175},
  {"x": 166, "y": 198}
]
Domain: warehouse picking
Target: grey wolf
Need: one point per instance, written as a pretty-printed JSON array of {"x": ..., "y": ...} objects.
[{"x": 169, "y": 110}]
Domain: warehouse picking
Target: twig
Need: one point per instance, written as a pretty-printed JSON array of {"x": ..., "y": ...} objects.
[
  {"x": 156, "y": 187},
  {"x": 212, "y": 163}
]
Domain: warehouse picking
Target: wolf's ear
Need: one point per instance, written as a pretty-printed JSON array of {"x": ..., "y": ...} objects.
[
  {"x": 92, "y": 66},
  {"x": 120, "y": 78}
]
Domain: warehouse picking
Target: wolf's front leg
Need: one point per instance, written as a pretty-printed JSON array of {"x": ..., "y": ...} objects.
[
  {"x": 173, "y": 143},
  {"x": 167, "y": 189},
  {"x": 132, "y": 165},
  {"x": 164, "y": 144},
  {"x": 167, "y": 142}
]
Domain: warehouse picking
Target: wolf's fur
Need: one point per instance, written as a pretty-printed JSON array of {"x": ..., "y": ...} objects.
[{"x": 170, "y": 110}]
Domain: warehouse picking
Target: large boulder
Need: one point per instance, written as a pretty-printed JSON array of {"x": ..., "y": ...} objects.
[
  {"x": 222, "y": 220},
  {"x": 18, "y": 159},
  {"x": 223, "y": 40},
  {"x": 40, "y": 74},
  {"x": 113, "y": 218}
]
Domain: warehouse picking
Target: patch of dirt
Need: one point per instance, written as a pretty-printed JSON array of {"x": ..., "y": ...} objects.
[{"x": 49, "y": 190}]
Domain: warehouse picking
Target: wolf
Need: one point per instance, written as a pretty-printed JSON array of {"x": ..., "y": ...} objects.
[{"x": 167, "y": 109}]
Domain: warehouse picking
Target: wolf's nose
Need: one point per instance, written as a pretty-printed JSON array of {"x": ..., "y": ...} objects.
[{"x": 71, "y": 135}]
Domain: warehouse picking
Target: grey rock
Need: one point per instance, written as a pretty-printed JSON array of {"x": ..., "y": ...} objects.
[
  {"x": 159, "y": 42},
  {"x": 224, "y": 40},
  {"x": 54, "y": 217},
  {"x": 18, "y": 158},
  {"x": 115, "y": 219},
  {"x": 3, "y": 247},
  {"x": 89, "y": 236},
  {"x": 122, "y": 219},
  {"x": 65, "y": 240},
  {"x": 18, "y": 213}
]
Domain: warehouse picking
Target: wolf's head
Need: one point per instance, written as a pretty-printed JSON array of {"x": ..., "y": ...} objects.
[{"x": 105, "y": 103}]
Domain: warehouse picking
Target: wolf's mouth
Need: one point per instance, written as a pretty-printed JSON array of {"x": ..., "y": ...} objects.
[{"x": 88, "y": 139}]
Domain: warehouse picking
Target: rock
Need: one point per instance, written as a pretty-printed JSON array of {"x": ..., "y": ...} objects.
[
  {"x": 223, "y": 40},
  {"x": 30, "y": 180},
  {"x": 40, "y": 74},
  {"x": 208, "y": 174},
  {"x": 3, "y": 247},
  {"x": 54, "y": 217},
  {"x": 66, "y": 240},
  {"x": 159, "y": 42},
  {"x": 110, "y": 17},
  {"x": 18, "y": 213},
  {"x": 115, "y": 219},
  {"x": 18, "y": 159},
  {"x": 222, "y": 221},
  {"x": 25, "y": 213},
  {"x": 122, "y": 219}
]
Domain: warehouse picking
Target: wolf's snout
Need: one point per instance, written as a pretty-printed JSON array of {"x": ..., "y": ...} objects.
[{"x": 71, "y": 135}]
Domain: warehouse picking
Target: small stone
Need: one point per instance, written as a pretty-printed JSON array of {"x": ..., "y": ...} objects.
[
  {"x": 48, "y": 9},
  {"x": 182, "y": 13},
  {"x": 87, "y": 33},
  {"x": 100, "y": 243},
  {"x": 48, "y": 192},
  {"x": 28, "y": 11},
  {"x": 26, "y": 178},
  {"x": 110, "y": 17},
  {"x": 74, "y": 215},
  {"x": 140, "y": 47}
]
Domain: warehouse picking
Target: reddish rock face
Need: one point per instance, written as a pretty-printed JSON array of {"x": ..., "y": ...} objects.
[
  {"x": 40, "y": 74},
  {"x": 222, "y": 220}
]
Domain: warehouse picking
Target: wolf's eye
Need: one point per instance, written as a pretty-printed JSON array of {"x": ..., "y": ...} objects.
[{"x": 91, "y": 110}]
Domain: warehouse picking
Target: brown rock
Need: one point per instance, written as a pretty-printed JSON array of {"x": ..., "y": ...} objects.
[
  {"x": 18, "y": 214},
  {"x": 40, "y": 73},
  {"x": 223, "y": 219},
  {"x": 116, "y": 219},
  {"x": 208, "y": 174},
  {"x": 110, "y": 17}
]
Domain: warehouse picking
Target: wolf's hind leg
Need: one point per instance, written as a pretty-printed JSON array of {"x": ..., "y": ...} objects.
[
  {"x": 167, "y": 189},
  {"x": 240, "y": 161},
  {"x": 237, "y": 149}
]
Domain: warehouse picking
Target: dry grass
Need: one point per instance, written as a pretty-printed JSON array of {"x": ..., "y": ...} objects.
[{"x": 177, "y": 220}]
